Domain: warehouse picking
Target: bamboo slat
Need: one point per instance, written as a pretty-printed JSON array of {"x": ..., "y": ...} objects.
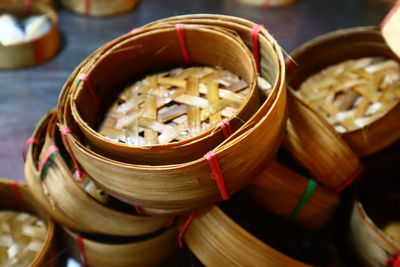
[
  {"x": 349, "y": 44},
  {"x": 266, "y": 3},
  {"x": 66, "y": 201},
  {"x": 317, "y": 147},
  {"x": 217, "y": 240},
  {"x": 46, "y": 252},
  {"x": 33, "y": 52},
  {"x": 149, "y": 251},
  {"x": 279, "y": 189}
]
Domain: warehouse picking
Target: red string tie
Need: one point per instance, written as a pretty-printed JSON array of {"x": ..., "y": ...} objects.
[
  {"x": 390, "y": 14},
  {"x": 29, "y": 141},
  {"x": 180, "y": 30},
  {"x": 79, "y": 172},
  {"x": 349, "y": 181},
  {"x": 27, "y": 7},
  {"x": 217, "y": 174},
  {"x": 293, "y": 73},
  {"x": 48, "y": 155},
  {"x": 17, "y": 195},
  {"x": 81, "y": 247},
  {"x": 184, "y": 228},
  {"x": 267, "y": 4},
  {"x": 88, "y": 85},
  {"x": 226, "y": 128},
  {"x": 393, "y": 262},
  {"x": 256, "y": 46},
  {"x": 138, "y": 210},
  {"x": 170, "y": 222},
  {"x": 87, "y": 7}
]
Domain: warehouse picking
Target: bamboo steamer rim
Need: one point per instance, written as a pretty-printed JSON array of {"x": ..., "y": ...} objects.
[
  {"x": 46, "y": 251},
  {"x": 221, "y": 151},
  {"x": 95, "y": 11},
  {"x": 139, "y": 224},
  {"x": 164, "y": 241},
  {"x": 373, "y": 234},
  {"x": 266, "y": 3},
  {"x": 187, "y": 142},
  {"x": 332, "y": 37},
  {"x": 204, "y": 240}
]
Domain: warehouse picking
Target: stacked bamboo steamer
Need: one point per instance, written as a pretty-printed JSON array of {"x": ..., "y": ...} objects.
[
  {"x": 32, "y": 52},
  {"x": 189, "y": 174},
  {"x": 123, "y": 170},
  {"x": 54, "y": 159},
  {"x": 96, "y": 231}
]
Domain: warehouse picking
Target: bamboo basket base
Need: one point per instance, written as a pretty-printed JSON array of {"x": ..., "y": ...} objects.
[
  {"x": 286, "y": 237},
  {"x": 354, "y": 93},
  {"x": 174, "y": 106},
  {"x": 21, "y": 238}
]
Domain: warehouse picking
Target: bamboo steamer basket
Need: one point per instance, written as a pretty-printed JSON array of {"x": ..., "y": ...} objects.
[
  {"x": 33, "y": 52},
  {"x": 149, "y": 251},
  {"x": 300, "y": 200},
  {"x": 189, "y": 184},
  {"x": 314, "y": 143},
  {"x": 267, "y": 3},
  {"x": 227, "y": 51},
  {"x": 370, "y": 244},
  {"x": 336, "y": 47},
  {"x": 67, "y": 203},
  {"x": 47, "y": 256},
  {"x": 100, "y": 8},
  {"x": 373, "y": 233},
  {"x": 216, "y": 240}
]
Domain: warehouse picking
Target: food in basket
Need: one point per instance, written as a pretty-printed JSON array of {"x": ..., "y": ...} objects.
[
  {"x": 354, "y": 93},
  {"x": 22, "y": 237}
]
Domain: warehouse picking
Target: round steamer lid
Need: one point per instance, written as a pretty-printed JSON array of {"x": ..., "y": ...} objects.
[{"x": 390, "y": 28}]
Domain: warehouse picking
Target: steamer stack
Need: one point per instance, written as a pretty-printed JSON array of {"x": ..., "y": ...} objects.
[{"x": 190, "y": 144}]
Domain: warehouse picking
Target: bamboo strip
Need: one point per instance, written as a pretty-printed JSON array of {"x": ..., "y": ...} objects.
[
  {"x": 275, "y": 184},
  {"x": 314, "y": 143},
  {"x": 210, "y": 238},
  {"x": 150, "y": 251}
]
